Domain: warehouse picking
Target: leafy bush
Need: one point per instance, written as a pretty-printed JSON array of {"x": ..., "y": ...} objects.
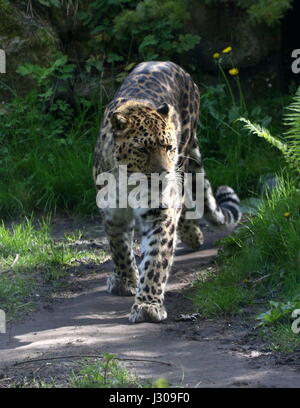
[
  {"x": 268, "y": 12},
  {"x": 46, "y": 146},
  {"x": 130, "y": 30}
]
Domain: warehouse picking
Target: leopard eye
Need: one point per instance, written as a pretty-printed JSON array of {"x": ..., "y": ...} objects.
[{"x": 142, "y": 149}]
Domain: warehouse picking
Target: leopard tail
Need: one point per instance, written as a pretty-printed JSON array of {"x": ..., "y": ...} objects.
[{"x": 223, "y": 209}]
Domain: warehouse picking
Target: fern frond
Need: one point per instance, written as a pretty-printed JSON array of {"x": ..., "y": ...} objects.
[
  {"x": 292, "y": 120},
  {"x": 289, "y": 150},
  {"x": 262, "y": 132}
]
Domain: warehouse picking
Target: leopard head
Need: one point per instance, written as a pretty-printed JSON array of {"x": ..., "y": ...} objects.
[{"x": 145, "y": 138}]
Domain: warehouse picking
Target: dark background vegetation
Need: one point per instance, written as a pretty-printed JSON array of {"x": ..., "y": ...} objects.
[{"x": 66, "y": 58}]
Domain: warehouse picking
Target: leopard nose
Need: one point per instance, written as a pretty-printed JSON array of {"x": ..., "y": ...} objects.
[
  {"x": 161, "y": 168},
  {"x": 159, "y": 164}
]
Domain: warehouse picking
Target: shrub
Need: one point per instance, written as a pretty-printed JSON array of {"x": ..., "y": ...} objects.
[{"x": 130, "y": 30}]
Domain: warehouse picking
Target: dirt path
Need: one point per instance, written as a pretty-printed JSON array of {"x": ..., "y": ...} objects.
[{"x": 203, "y": 353}]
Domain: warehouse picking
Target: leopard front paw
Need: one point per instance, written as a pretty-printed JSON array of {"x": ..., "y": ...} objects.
[
  {"x": 147, "y": 312},
  {"x": 120, "y": 286}
]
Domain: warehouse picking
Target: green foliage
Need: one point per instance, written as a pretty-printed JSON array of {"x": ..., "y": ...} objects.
[
  {"x": 221, "y": 106},
  {"x": 262, "y": 132},
  {"x": 161, "y": 383},
  {"x": 261, "y": 260},
  {"x": 29, "y": 6},
  {"x": 278, "y": 311},
  {"x": 275, "y": 326},
  {"x": 46, "y": 146},
  {"x": 104, "y": 374},
  {"x": 46, "y": 76},
  {"x": 224, "y": 145},
  {"x": 290, "y": 147},
  {"x": 130, "y": 30},
  {"x": 279, "y": 337},
  {"x": 268, "y": 12},
  {"x": 292, "y": 120},
  {"x": 51, "y": 3},
  {"x": 30, "y": 258}
]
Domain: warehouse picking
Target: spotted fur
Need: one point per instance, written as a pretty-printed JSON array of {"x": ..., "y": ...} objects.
[{"x": 150, "y": 126}]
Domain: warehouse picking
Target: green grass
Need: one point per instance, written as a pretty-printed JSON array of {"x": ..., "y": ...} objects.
[
  {"x": 279, "y": 325},
  {"x": 104, "y": 374},
  {"x": 262, "y": 259},
  {"x": 280, "y": 337},
  {"x": 260, "y": 262},
  {"x": 31, "y": 259},
  {"x": 109, "y": 373},
  {"x": 46, "y": 155}
]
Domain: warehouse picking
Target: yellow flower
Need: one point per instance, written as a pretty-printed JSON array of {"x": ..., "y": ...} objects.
[
  {"x": 216, "y": 55},
  {"x": 233, "y": 71},
  {"x": 227, "y": 50},
  {"x": 287, "y": 214}
]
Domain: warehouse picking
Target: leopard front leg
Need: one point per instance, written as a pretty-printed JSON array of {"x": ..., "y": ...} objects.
[
  {"x": 119, "y": 226},
  {"x": 158, "y": 244}
]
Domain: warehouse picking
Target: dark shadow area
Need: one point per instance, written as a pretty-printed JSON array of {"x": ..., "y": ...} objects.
[{"x": 290, "y": 42}]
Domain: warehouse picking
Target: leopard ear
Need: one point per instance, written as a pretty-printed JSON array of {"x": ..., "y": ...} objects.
[
  {"x": 163, "y": 109},
  {"x": 119, "y": 121}
]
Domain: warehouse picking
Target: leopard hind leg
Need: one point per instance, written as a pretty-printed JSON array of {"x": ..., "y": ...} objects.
[{"x": 190, "y": 232}]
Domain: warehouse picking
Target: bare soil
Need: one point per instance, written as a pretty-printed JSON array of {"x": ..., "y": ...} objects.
[{"x": 86, "y": 320}]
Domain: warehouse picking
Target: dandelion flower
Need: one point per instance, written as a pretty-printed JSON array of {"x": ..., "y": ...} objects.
[
  {"x": 227, "y": 50},
  {"x": 233, "y": 71},
  {"x": 216, "y": 55},
  {"x": 287, "y": 214}
]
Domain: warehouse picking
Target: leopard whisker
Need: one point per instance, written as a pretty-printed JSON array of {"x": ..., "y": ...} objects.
[{"x": 191, "y": 158}]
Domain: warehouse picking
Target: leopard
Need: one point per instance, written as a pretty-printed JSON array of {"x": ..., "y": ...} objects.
[{"x": 149, "y": 126}]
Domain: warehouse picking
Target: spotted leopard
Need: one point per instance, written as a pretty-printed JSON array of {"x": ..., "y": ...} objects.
[{"x": 150, "y": 126}]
